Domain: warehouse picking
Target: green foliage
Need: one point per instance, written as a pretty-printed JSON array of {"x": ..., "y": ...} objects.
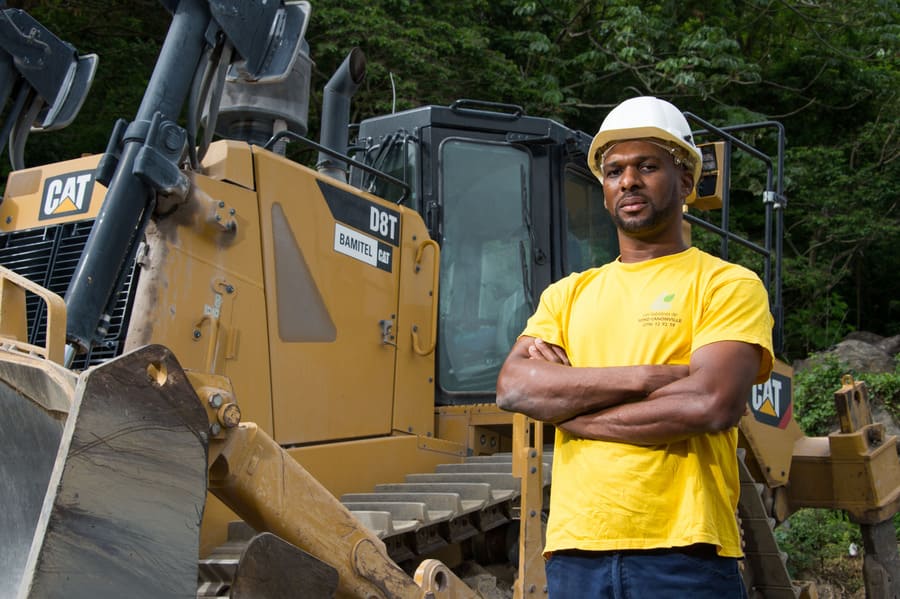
[
  {"x": 817, "y": 543},
  {"x": 836, "y": 246},
  {"x": 814, "y": 390},
  {"x": 884, "y": 388},
  {"x": 814, "y": 395},
  {"x": 419, "y": 54},
  {"x": 816, "y": 318},
  {"x": 828, "y": 70}
]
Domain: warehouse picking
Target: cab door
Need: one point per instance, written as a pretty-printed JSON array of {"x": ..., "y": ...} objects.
[{"x": 490, "y": 250}]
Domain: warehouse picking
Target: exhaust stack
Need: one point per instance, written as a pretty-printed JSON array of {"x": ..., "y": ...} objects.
[{"x": 336, "y": 113}]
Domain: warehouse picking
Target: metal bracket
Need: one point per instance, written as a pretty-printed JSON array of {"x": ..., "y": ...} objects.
[
  {"x": 268, "y": 47},
  {"x": 49, "y": 65},
  {"x": 109, "y": 161},
  {"x": 223, "y": 215},
  {"x": 387, "y": 332},
  {"x": 852, "y": 405},
  {"x": 157, "y": 162},
  {"x": 777, "y": 200},
  {"x": 528, "y": 443}
]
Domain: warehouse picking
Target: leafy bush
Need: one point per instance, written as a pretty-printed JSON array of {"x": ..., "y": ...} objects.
[
  {"x": 814, "y": 395},
  {"x": 817, "y": 541},
  {"x": 817, "y": 544},
  {"x": 884, "y": 388}
]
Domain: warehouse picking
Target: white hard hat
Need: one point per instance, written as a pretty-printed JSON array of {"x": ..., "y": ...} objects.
[{"x": 646, "y": 118}]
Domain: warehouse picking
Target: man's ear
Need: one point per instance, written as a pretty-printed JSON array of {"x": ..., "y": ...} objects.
[{"x": 687, "y": 184}]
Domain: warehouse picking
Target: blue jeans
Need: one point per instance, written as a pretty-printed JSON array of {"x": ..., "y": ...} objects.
[{"x": 656, "y": 574}]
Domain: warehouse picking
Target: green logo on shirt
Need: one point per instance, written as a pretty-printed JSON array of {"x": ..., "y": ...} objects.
[
  {"x": 663, "y": 303},
  {"x": 661, "y": 313}
]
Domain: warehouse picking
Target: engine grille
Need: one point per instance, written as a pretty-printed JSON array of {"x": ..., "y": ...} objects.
[{"x": 48, "y": 256}]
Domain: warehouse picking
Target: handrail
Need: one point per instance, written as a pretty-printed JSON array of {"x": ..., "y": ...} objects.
[
  {"x": 476, "y": 108},
  {"x": 12, "y": 300},
  {"x": 325, "y": 150},
  {"x": 435, "y": 273}
]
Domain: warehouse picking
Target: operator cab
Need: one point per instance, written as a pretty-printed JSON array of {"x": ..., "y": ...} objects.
[{"x": 511, "y": 202}]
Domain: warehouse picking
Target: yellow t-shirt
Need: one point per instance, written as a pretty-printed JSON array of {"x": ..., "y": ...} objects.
[{"x": 613, "y": 496}]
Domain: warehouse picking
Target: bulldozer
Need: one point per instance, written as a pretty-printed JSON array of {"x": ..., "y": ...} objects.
[{"x": 271, "y": 380}]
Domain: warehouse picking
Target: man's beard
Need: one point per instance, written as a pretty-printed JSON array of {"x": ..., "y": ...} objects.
[{"x": 647, "y": 223}]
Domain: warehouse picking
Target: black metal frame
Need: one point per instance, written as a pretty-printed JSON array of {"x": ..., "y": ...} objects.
[{"x": 774, "y": 201}]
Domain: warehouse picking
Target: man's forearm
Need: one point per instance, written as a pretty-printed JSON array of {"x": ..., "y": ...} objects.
[
  {"x": 554, "y": 393},
  {"x": 548, "y": 390},
  {"x": 710, "y": 400},
  {"x": 655, "y": 421}
]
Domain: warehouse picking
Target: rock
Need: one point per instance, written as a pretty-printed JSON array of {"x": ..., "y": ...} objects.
[
  {"x": 852, "y": 352},
  {"x": 483, "y": 581},
  {"x": 863, "y": 357},
  {"x": 805, "y": 364},
  {"x": 856, "y": 355},
  {"x": 485, "y": 585},
  {"x": 890, "y": 345},
  {"x": 864, "y": 336},
  {"x": 880, "y": 414}
]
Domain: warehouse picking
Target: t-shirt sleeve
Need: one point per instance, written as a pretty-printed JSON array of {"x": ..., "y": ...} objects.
[
  {"x": 738, "y": 310},
  {"x": 546, "y": 322}
]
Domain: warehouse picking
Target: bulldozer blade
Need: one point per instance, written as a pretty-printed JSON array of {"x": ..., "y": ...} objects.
[
  {"x": 35, "y": 396},
  {"x": 272, "y": 568},
  {"x": 123, "y": 507}
]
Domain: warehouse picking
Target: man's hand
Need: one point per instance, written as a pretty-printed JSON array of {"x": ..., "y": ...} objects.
[
  {"x": 541, "y": 350},
  {"x": 660, "y": 375}
]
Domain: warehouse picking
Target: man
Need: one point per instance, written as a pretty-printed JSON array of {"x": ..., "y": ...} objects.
[{"x": 644, "y": 365}]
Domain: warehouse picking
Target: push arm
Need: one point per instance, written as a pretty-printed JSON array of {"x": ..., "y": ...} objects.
[{"x": 536, "y": 380}]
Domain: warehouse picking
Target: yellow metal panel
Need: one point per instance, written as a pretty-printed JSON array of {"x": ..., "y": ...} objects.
[
  {"x": 857, "y": 472},
  {"x": 771, "y": 434},
  {"x": 200, "y": 292},
  {"x": 228, "y": 160},
  {"x": 414, "y": 395},
  {"x": 481, "y": 428},
  {"x": 357, "y": 466},
  {"x": 13, "y": 324},
  {"x": 51, "y": 194},
  {"x": 322, "y": 388},
  {"x": 214, "y": 527}
]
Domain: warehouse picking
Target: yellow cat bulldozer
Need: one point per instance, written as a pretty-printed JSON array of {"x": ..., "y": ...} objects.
[{"x": 269, "y": 380}]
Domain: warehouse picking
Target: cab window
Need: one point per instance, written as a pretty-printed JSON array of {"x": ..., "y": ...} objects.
[{"x": 485, "y": 260}]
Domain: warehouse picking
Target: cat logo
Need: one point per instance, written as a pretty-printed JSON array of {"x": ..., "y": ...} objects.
[
  {"x": 67, "y": 194},
  {"x": 770, "y": 402}
]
